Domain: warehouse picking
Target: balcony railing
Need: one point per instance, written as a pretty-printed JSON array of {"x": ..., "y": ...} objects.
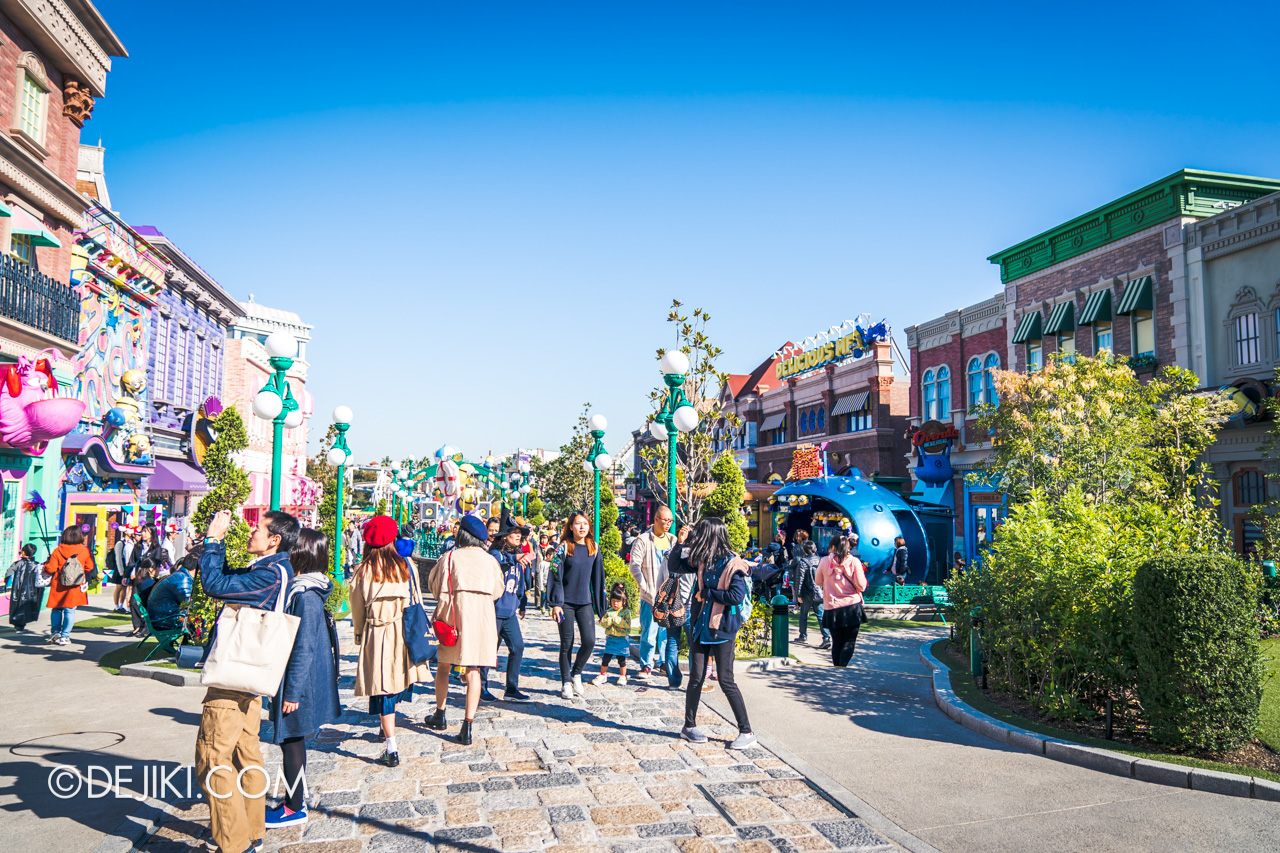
[{"x": 33, "y": 298}]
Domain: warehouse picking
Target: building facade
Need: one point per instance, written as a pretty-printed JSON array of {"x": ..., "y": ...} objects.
[
  {"x": 247, "y": 370},
  {"x": 953, "y": 362},
  {"x": 1233, "y": 271},
  {"x": 54, "y": 60},
  {"x": 185, "y": 369}
]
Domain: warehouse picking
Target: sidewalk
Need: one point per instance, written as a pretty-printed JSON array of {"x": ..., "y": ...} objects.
[
  {"x": 874, "y": 729},
  {"x": 59, "y": 707},
  {"x": 604, "y": 773}
]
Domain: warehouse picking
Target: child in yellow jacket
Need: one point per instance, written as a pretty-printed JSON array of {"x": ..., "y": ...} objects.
[{"x": 617, "y": 629}]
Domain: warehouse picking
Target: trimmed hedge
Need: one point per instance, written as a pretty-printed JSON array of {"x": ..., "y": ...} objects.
[{"x": 1195, "y": 636}]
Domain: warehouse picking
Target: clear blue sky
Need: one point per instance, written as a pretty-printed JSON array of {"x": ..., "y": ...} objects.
[{"x": 485, "y": 208}]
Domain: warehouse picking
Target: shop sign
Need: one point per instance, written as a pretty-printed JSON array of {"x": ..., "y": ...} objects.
[
  {"x": 933, "y": 436},
  {"x": 822, "y": 350}
]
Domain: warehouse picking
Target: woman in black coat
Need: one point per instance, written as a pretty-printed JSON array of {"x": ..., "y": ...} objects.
[{"x": 308, "y": 696}]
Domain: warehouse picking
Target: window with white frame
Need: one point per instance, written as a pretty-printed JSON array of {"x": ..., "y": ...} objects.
[
  {"x": 1035, "y": 356},
  {"x": 161, "y": 373},
  {"x": 937, "y": 394},
  {"x": 20, "y": 247},
  {"x": 861, "y": 419},
  {"x": 1144, "y": 333},
  {"x": 31, "y": 113},
  {"x": 1102, "y": 337},
  {"x": 1246, "y": 329},
  {"x": 975, "y": 383},
  {"x": 989, "y": 367},
  {"x": 1067, "y": 346}
]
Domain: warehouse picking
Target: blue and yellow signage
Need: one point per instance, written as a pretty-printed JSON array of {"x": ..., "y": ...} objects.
[{"x": 853, "y": 345}]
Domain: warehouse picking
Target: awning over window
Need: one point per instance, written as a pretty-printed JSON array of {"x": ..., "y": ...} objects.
[
  {"x": 1062, "y": 318},
  {"x": 852, "y": 403},
  {"x": 174, "y": 476},
  {"x": 774, "y": 421},
  {"x": 1028, "y": 328},
  {"x": 5, "y": 209},
  {"x": 1137, "y": 296},
  {"x": 1096, "y": 307},
  {"x": 25, "y": 223}
]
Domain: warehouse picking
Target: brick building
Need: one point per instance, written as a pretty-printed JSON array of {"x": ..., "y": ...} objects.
[{"x": 953, "y": 360}]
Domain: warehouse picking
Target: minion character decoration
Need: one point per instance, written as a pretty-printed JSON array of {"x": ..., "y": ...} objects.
[{"x": 128, "y": 440}]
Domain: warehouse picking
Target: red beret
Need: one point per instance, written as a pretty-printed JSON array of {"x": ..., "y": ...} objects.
[{"x": 380, "y": 530}]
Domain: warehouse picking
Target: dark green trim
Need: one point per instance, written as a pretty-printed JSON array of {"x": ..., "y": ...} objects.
[
  {"x": 1137, "y": 296},
  {"x": 1062, "y": 318},
  {"x": 1096, "y": 307},
  {"x": 1028, "y": 328},
  {"x": 1190, "y": 192}
]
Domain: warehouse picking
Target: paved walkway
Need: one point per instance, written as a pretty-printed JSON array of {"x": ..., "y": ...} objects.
[
  {"x": 603, "y": 773},
  {"x": 875, "y": 730}
]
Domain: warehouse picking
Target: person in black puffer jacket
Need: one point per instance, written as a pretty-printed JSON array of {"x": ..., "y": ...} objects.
[{"x": 810, "y": 594}]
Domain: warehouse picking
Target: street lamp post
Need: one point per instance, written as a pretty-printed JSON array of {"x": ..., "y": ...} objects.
[
  {"x": 600, "y": 460},
  {"x": 338, "y": 455},
  {"x": 275, "y": 402},
  {"x": 675, "y": 417},
  {"x": 524, "y": 489}
]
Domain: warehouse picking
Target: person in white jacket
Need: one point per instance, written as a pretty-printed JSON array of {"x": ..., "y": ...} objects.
[{"x": 648, "y": 566}]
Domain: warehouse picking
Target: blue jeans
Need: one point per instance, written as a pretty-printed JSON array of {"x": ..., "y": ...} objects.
[
  {"x": 509, "y": 633},
  {"x": 653, "y": 637},
  {"x": 671, "y": 658},
  {"x": 807, "y": 606},
  {"x": 63, "y": 618}
]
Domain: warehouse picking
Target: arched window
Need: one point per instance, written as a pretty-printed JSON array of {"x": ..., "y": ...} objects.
[
  {"x": 822, "y": 419},
  {"x": 975, "y": 383},
  {"x": 944, "y": 393},
  {"x": 989, "y": 368},
  {"x": 926, "y": 408}
]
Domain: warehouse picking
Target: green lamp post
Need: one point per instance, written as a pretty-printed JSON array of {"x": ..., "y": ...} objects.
[
  {"x": 597, "y": 460},
  {"x": 275, "y": 402},
  {"x": 525, "y": 488},
  {"x": 339, "y": 455},
  {"x": 675, "y": 416}
]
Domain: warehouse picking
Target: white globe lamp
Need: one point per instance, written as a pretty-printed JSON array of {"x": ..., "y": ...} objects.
[
  {"x": 342, "y": 415},
  {"x": 267, "y": 404},
  {"x": 281, "y": 345},
  {"x": 658, "y": 431},
  {"x": 686, "y": 418},
  {"x": 586, "y": 466},
  {"x": 597, "y": 423},
  {"x": 603, "y": 462},
  {"x": 524, "y": 467},
  {"x": 336, "y": 456},
  {"x": 674, "y": 363},
  {"x": 293, "y": 420},
  {"x": 525, "y": 489}
]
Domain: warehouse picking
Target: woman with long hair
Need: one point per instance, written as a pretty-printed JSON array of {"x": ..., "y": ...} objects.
[
  {"x": 64, "y": 598},
  {"x": 720, "y": 591},
  {"x": 843, "y": 580},
  {"x": 466, "y": 582},
  {"x": 380, "y": 591},
  {"x": 575, "y": 591},
  {"x": 308, "y": 695}
]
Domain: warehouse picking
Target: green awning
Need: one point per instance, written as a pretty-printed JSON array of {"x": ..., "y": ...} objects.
[
  {"x": 1028, "y": 328},
  {"x": 1096, "y": 307},
  {"x": 1062, "y": 318},
  {"x": 5, "y": 210},
  {"x": 25, "y": 223},
  {"x": 1137, "y": 296}
]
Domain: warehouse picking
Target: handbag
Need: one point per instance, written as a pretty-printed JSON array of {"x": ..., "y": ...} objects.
[
  {"x": 43, "y": 581},
  {"x": 71, "y": 573},
  {"x": 447, "y": 634},
  {"x": 252, "y": 647},
  {"x": 668, "y": 610},
  {"x": 417, "y": 627}
]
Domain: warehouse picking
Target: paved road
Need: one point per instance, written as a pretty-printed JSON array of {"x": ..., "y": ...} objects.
[
  {"x": 876, "y": 731},
  {"x": 58, "y": 707}
]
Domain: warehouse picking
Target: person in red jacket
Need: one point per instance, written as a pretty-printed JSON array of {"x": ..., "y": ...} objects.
[{"x": 65, "y": 598}]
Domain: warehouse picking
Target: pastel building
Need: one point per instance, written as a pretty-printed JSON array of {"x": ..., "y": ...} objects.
[{"x": 247, "y": 370}]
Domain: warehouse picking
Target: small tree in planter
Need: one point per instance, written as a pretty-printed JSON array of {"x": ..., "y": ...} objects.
[{"x": 726, "y": 501}]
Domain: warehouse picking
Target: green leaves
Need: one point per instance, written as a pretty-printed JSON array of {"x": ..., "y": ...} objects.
[{"x": 726, "y": 500}]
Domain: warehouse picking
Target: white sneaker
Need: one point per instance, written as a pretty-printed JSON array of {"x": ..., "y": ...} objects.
[
  {"x": 599, "y": 679},
  {"x": 622, "y": 680},
  {"x": 577, "y": 685},
  {"x": 745, "y": 740},
  {"x": 567, "y": 690}
]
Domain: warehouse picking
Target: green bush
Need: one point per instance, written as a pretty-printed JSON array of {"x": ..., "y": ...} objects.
[
  {"x": 755, "y": 638},
  {"x": 725, "y": 501},
  {"x": 337, "y": 597},
  {"x": 1195, "y": 636}
]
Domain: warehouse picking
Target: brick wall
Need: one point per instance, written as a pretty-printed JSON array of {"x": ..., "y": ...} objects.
[{"x": 955, "y": 354}]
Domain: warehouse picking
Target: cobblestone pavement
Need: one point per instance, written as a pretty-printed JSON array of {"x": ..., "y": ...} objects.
[{"x": 603, "y": 773}]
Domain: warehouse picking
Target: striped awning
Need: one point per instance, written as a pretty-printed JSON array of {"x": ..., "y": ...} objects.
[
  {"x": 852, "y": 403},
  {"x": 1062, "y": 318},
  {"x": 1137, "y": 296},
  {"x": 1096, "y": 307},
  {"x": 774, "y": 421},
  {"x": 1028, "y": 328}
]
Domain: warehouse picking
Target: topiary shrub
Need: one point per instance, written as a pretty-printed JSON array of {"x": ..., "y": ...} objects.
[
  {"x": 1196, "y": 645},
  {"x": 755, "y": 638},
  {"x": 725, "y": 501}
]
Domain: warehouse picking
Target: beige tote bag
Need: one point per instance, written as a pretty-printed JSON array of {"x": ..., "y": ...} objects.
[{"x": 252, "y": 647}]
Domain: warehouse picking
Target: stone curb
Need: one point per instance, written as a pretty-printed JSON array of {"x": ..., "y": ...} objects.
[
  {"x": 125, "y": 837},
  {"x": 177, "y": 677},
  {"x": 1104, "y": 760}
]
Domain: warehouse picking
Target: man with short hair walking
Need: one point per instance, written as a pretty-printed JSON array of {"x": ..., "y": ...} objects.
[{"x": 648, "y": 566}]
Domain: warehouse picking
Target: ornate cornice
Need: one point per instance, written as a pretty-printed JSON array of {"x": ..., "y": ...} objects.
[
  {"x": 45, "y": 189},
  {"x": 63, "y": 39}
]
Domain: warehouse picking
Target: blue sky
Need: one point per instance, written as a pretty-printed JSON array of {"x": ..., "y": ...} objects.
[{"x": 486, "y": 208}]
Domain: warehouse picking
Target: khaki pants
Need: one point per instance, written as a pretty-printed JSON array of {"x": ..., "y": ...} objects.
[{"x": 228, "y": 739}]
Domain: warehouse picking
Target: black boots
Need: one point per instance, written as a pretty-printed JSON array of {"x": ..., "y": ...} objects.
[
  {"x": 464, "y": 735},
  {"x": 436, "y": 721}
]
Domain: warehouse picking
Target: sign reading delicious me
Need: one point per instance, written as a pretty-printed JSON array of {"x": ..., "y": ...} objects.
[{"x": 822, "y": 350}]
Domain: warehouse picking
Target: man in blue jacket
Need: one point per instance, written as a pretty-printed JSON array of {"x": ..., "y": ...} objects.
[
  {"x": 509, "y": 609},
  {"x": 228, "y": 740}
]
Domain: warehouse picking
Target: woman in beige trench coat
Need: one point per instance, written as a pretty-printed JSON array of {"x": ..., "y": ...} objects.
[
  {"x": 466, "y": 581},
  {"x": 379, "y": 594}
]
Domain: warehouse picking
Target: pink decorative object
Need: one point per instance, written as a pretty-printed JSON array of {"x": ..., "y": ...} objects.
[{"x": 30, "y": 415}]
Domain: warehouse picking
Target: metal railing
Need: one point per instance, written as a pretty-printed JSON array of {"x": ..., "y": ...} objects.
[
  {"x": 33, "y": 298},
  {"x": 910, "y": 593},
  {"x": 429, "y": 545}
]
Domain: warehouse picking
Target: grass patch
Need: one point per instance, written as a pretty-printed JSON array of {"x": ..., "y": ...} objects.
[
  {"x": 111, "y": 620},
  {"x": 963, "y": 684},
  {"x": 116, "y": 658},
  {"x": 1269, "y": 713}
]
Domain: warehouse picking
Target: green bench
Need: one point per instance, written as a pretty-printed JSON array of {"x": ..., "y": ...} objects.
[{"x": 165, "y": 637}]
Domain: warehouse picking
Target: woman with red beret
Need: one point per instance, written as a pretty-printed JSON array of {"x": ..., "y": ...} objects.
[{"x": 380, "y": 591}]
